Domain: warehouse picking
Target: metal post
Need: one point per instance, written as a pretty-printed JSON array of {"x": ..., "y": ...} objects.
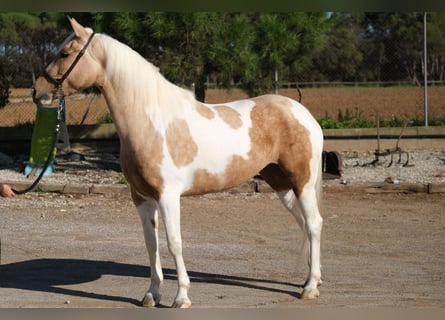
[
  {"x": 425, "y": 73},
  {"x": 276, "y": 80}
]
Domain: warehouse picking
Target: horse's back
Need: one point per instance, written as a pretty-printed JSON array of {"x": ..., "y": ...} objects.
[
  {"x": 282, "y": 115},
  {"x": 274, "y": 105},
  {"x": 270, "y": 119}
]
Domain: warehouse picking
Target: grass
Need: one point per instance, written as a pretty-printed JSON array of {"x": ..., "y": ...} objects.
[
  {"x": 348, "y": 119},
  {"x": 105, "y": 119},
  {"x": 123, "y": 180}
]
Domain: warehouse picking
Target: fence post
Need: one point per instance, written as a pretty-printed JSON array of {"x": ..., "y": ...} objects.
[{"x": 425, "y": 72}]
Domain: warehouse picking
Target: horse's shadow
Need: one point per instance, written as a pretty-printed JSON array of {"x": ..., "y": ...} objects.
[{"x": 48, "y": 275}]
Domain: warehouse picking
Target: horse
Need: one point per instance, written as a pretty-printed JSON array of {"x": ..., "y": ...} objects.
[{"x": 172, "y": 145}]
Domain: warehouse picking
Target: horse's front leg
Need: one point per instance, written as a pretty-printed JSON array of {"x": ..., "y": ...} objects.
[
  {"x": 170, "y": 209},
  {"x": 148, "y": 212}
]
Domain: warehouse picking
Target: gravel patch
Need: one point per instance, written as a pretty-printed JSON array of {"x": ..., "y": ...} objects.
[
  {"x": 73, "y": 168},
  {"x": 103, "y": 169},
  {"x": 424, "y": 167}
]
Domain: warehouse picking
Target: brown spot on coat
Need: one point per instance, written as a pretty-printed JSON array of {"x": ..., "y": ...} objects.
[
  {"x": 230, "y": 116},
  {"x": 181, "y": 146},
  {"x": 274, "y": 125},
  {"x": 204, "y": 111},
  {"x": 141, "y": 158}
]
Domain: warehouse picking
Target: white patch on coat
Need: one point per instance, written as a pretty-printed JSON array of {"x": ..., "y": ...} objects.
[{"x": 217, "y": 144}]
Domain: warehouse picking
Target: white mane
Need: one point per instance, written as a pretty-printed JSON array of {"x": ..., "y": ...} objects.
[{"x": 141, "y": 81}]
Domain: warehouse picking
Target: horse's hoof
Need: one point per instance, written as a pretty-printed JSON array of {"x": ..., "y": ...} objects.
[
  {"x": 310, "y": 294},
  {"x": 149, "y": 301},
  {"x": 183, "y": 303}
]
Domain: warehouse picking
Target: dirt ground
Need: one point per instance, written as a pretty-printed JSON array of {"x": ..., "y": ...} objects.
[{"x": 241, "y": 250}]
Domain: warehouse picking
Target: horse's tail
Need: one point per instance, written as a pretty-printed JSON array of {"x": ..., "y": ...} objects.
[{"x": 319, "y": 186}]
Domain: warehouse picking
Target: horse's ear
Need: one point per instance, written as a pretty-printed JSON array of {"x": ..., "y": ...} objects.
[{"x": 78, "y": 29}]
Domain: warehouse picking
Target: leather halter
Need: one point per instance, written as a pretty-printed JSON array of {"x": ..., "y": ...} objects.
[{"x": 58, "y": 82}]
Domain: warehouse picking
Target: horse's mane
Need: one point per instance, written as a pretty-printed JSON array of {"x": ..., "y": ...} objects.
[{"x": 142, "y": 82}]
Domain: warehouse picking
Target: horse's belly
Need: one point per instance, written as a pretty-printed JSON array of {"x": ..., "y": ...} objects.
[{"x": 237, "y": 171}]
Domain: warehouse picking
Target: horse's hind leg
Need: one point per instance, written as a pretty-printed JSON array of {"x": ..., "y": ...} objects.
[
  {"x": 313, "y": 223},
  {"x": 289, "y": 201},
  {"x": 148, "y": 212},
  {"x": 310, "y": 221},
  {"x": 281, "y": 183}
]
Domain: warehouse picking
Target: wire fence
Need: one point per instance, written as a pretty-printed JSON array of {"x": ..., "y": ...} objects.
[
  {"x": 80, "y": 109},
  {"x": 324, "y": 99}
]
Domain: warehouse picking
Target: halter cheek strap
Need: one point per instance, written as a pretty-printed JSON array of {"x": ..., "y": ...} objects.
[{"x": 58, "y": 82}]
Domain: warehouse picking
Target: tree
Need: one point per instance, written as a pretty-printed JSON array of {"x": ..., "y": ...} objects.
[
  {"x": 407, "y": 32},
  {"x": 273, "y": 44},
  {"x": 255, "y": 49},
  {"x": 285, "y": 44},
  {"x": 28, "y": 43},
  {"x": 436, "y": 45},
  {"x": 182, "y": 42},
  {"x": 231, "y": 53},
  {"x": 4, "y": 84},
  {"x": 175, "y": 42},
  {"x": 341, "y": 58},
  {"x": 397, "y": 42}
]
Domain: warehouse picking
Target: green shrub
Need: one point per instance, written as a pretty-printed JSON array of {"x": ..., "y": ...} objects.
[
  {"x": 106, "y": 119},
  {"x": 354, "y": 119}
]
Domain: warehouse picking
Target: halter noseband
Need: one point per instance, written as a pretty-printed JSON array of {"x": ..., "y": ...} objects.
[{"x": 58, "y": 82}]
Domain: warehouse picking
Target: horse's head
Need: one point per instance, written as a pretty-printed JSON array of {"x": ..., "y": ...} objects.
[{"x": 74, "y": 68}]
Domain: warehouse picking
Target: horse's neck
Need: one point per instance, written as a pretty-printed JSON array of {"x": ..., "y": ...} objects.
[
  {"x": 137, "y": 93},
  {"x": 131, "y": 113}
]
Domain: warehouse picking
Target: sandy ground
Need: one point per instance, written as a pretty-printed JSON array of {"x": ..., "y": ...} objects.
[{"x": 241, "y": 250}]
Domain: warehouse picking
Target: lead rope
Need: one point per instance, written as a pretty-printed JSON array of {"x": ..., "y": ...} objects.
[{"x": 60, "y": 110}]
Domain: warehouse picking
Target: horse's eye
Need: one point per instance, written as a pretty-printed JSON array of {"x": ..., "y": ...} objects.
[{"x": 64, "y": 54}]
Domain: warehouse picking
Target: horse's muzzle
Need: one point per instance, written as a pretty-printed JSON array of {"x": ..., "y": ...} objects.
[{"x": 42, "y": 92}]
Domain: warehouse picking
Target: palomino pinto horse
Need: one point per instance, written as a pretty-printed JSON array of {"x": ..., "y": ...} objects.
[{"x": 173, "y": 145}]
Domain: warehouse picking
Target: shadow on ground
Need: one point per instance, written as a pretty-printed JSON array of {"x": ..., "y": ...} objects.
[{"x": 47, "y": 275}]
